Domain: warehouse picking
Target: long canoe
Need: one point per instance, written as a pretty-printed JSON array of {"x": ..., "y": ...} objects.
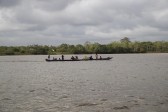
[{"x": 108, "y": 58}]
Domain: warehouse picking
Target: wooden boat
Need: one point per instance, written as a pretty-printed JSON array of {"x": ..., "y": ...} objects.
[{"x": 108, "y": 58}]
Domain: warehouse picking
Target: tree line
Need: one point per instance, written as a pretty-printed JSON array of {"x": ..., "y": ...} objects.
[{"x": 122, "y": 46}]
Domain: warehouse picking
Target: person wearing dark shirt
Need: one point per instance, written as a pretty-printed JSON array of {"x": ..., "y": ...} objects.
[
  {"x": 90, "y": 58},
  {"x": 48, "y": 56},
  {"x": 72, "y": 58},
  {"x": 76, "y": 57},
  {"x": 62, "y": 57}
]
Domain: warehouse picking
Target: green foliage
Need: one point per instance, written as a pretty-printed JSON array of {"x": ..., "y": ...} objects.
[
  {"x": 80, "y": 49},
  {"x": 122, "y": 46}
]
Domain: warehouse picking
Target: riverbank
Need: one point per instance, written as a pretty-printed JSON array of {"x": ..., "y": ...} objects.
[{"x": 88, "y": 48}]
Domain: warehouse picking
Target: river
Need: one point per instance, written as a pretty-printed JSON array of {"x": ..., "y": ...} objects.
[{"x": 127, "y": 83}]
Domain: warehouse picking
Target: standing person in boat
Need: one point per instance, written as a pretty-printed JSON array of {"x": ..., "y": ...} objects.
[
  {"x": 62, "y": 57},
  {"x": 96, "y": 56},
  {"x": 48, "y": 56}
]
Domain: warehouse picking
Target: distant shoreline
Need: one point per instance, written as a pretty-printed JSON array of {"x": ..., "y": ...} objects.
[
  {"x": 117, "y": 47},
  {"x": 78, "y": 54}
]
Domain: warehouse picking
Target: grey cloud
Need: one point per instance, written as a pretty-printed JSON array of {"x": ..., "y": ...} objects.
[
  {"x": 53, "y": 5},
  {"x": 9, "y": 3},
  {"x": 36, "y": 28}
]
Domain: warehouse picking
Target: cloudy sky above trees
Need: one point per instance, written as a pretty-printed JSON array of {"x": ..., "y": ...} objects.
[{"x": 53, "y": 22}]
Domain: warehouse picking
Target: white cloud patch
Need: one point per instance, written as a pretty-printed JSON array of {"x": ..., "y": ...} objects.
[{"x": 24, "y": 22}]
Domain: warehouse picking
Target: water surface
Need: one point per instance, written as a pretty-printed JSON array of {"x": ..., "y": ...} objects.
[{"x": 127, "y": 83}]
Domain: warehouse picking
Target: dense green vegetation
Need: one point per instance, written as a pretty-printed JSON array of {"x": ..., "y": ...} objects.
[{"x": 122, "y": 46}]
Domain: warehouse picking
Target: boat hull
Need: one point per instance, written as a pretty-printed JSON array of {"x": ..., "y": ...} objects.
[{"x": 108, "y": 58}]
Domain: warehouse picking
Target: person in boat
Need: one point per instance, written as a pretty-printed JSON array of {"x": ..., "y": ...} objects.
[
  {"x": 90, "y": 57},
  {"x": 100, "y": 57},
  {"x": 72, "y": 58},
  {"x": 76, "y": 57},
  {"x": 62, "y": 57},
  {"x": 96, "y": 56},
  {"x": 54, "y": 58},
  {"x": 48, "y": 56}
]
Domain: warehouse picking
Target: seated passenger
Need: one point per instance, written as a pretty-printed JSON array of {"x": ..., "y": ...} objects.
[
  {"x": 90, "y": 58},
  {"x": 72, "y": 58},
  {"x": 76, "y": 57}
]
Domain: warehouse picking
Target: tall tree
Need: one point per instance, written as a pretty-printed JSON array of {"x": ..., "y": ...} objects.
[{"x": 125, "y": 39}]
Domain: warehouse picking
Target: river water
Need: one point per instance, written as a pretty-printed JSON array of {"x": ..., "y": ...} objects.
[{"x": 127, "y": 83}]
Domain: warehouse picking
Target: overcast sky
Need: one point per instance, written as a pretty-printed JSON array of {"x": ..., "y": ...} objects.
[{"x": 53, "y": 22}]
